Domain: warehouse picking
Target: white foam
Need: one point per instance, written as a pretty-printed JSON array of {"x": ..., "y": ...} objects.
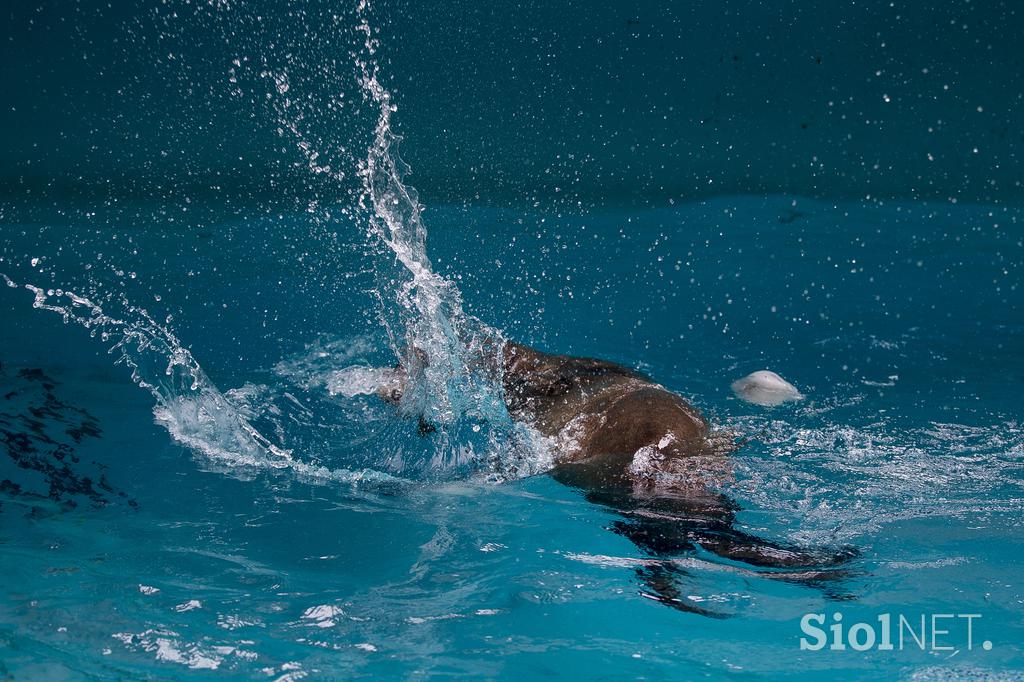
[
  {"x": 361, "y": 380},
  {"x": 887, "y": 474},
  {"x": 323, "y": 616},
  {"x": 167, "y": 646},
  {"x": 188, "y": 404}
]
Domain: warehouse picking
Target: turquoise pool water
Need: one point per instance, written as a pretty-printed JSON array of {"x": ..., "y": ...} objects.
[
  {"x": 211, "y": 260},
  {"x": 143, "y": 546}
]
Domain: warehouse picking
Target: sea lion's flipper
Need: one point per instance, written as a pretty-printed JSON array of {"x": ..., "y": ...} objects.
[
  {"x": 657, "y": 539},
  {"x": 675, "y": 528},
  {"x": 831, "y": 582},
  {"x": 663, "y": 580},
  {"x": 817, "y": 568},
  {"x": 739, "y": 546}
]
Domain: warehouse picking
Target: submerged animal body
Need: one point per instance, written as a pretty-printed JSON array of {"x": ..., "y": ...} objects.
[
  {"x": 614, "y": 426},
  {"x": 644, "y": 452}
]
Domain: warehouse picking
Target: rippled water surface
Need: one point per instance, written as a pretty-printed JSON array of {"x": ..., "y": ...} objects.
[
  {"x": 140, "y": 543},
  {"x": 207, "y": 290}
]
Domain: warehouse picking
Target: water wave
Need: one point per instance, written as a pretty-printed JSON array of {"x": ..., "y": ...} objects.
[{"x": 842, "y": 481}]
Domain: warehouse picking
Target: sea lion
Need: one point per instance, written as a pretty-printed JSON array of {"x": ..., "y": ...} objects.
[{"x": 644, "y": 452}]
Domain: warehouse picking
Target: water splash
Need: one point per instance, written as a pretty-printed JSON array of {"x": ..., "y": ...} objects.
[
  {"x": 444, "y": 351},
  {"x": 188, "y": 404},
  {"x": 449, "y": 375},
  {"x": 433, "y": 320},
  {"x": 844, "y": 481},
  {"x": 448, "y": 358}
]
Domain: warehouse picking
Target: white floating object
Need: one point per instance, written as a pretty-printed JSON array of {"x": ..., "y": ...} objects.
[{"x": 765, "y": 388}]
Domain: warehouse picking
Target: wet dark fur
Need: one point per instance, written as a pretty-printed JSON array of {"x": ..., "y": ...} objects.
[
  {"x": 603, "y": 414},
  {"x": 620, "y": 412}
]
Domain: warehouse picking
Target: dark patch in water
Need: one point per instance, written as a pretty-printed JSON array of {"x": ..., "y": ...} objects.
[
  {"x": 425, "y": 428},
  {"x": 40, "y": 434}
]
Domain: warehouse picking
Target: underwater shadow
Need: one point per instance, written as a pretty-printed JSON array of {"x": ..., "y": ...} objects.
[{"x": 668, "y": 526}]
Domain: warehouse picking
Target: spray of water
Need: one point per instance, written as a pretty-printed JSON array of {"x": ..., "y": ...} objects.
[
  {"x": 443, "y": 348},
  {"x": 446, "y": 357},
  {"x": 188, "y": 404}
]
